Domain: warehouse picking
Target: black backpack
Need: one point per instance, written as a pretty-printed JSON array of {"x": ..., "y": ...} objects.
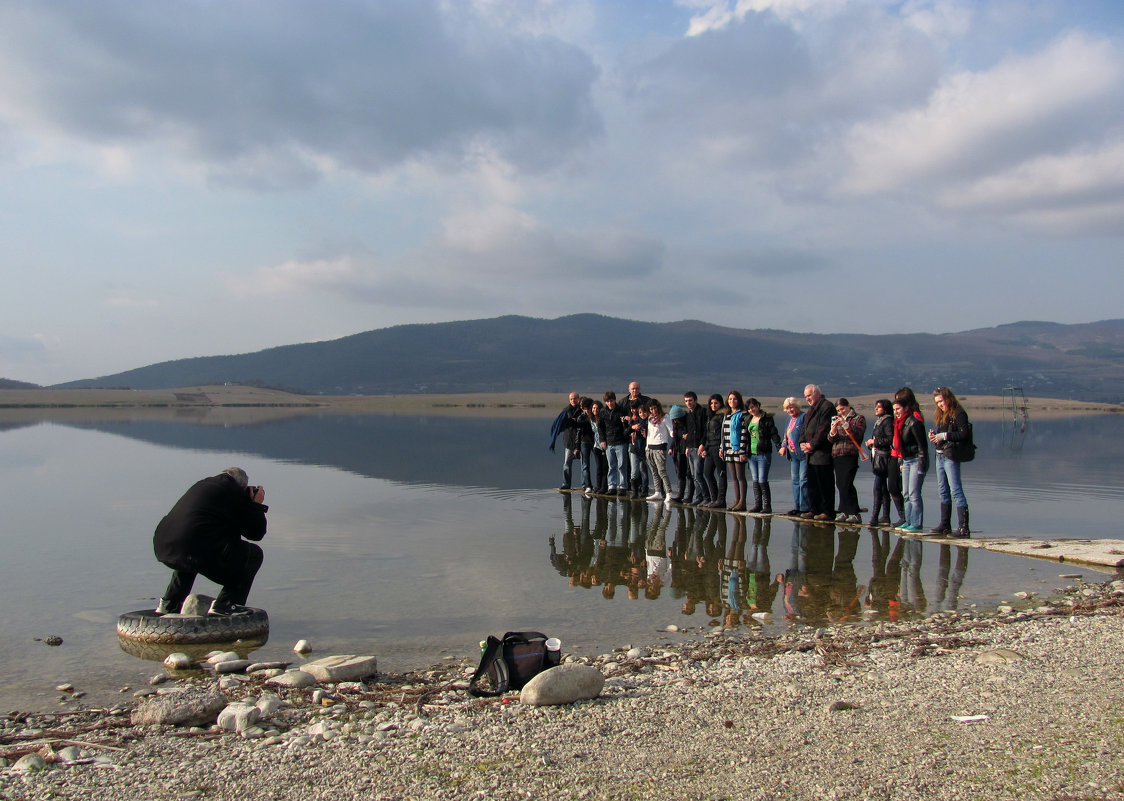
[{"x": 511, "y": 662}]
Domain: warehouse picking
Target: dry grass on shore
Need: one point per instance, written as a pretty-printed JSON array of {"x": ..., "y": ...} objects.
[{"x": 236, "y": 401}]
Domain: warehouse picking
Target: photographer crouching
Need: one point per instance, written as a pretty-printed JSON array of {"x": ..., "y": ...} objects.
[{"x": 203, "y": 533}]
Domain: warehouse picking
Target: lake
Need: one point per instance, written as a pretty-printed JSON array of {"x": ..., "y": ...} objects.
[{"x": 413, "y": 537}]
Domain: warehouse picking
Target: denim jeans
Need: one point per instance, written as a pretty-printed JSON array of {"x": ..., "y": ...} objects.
[
  {"x": 759, "y": 467},
  {"x": 587, "y": 458},
  {"x": 618, "y": 465},
  {"x": 948, "y": 481},
  {"x": 702, "y": 492},
  {"x": 912, "y": 479},
  {"x": 798, "y": 469},
  {"x": 568, "y": 457}
]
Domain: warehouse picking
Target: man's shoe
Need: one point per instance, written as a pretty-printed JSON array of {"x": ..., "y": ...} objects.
[
  {"x": 165, "y": 608},
  {"x": 821, "y": 517},
  {"x": 808, "y": 515},
  {"x": 222, "y": 609},
  {"x": 793, "y": 512},
  {"x": 855, "y": 519},
  {"x": 564, "y": 488}
]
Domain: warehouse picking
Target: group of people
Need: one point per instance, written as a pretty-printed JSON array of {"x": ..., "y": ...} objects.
[{"x": 624, "y": 448}]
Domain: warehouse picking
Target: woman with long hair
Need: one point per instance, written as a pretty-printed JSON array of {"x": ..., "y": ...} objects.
[
  {"x": 953, "y": 441},
  {"x": 735, "y": 446},
  {"x": 913, "y": 444},
  {"x": 880, "y": 442},
  {"x": 714, "y": 469},
  {"x": 763, "y": 440}
]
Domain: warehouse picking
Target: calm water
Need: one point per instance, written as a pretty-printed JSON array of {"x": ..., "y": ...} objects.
[{"x": 413, "y": 538}]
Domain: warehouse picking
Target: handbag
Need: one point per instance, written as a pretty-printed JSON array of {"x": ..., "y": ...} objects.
[
  {"x": 512, "y": 661},
  {"x": 880, "y": 463}
]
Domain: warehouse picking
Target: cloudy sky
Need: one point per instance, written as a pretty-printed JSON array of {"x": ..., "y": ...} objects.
[{"x": 194, "y": 177}]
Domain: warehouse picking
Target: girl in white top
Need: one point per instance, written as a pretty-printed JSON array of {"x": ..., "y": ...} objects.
[{"x": 660, "y": 438}]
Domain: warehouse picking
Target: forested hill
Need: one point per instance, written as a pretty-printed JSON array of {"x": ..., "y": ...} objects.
[{"x": 594, "y": 352}]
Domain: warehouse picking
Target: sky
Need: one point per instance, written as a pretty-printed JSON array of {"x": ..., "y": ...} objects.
[{"x": 197, "y": 177}]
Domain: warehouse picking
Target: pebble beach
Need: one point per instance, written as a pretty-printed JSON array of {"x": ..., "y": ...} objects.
[{"x": 1024, "y": 703}]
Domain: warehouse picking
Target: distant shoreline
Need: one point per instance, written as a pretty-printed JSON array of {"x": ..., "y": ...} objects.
[{"x": 235, "y": 401}]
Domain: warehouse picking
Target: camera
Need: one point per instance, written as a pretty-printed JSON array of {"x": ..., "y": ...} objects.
[{"x": 252, "y": 491}]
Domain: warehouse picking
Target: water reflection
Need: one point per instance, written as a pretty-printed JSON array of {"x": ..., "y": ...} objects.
[{"x": 720, "y": 566}]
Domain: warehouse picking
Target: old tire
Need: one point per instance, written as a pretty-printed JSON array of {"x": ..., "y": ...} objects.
[{"x": 146, "y": 626}]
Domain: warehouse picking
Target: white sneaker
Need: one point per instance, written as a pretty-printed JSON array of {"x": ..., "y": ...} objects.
[{"x": 655, "y": 496}]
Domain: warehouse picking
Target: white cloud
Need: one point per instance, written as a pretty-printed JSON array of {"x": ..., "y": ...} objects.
[{"x": 977, "y": 122}]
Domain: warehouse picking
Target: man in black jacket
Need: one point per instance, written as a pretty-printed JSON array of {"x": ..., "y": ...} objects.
[
  {"x": 817, "y": 447},
  {"x": 203, "y": 533}
]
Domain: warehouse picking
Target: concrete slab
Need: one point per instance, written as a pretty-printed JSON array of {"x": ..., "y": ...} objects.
[{"x": 1104, "y": 555}]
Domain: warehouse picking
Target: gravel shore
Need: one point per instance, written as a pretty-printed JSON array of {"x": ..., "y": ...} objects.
[{"x": 1024, "y": 704}]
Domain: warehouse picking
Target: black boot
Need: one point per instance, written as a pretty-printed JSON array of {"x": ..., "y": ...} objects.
[
  {"x": 945, "y": 526},
  {"x": 899, "y": 504},
  {"x": 756, "y": 498},
  {"x": 876, "y": 507},
  {"x": 962, "y": 530},
  {"x": 884, "y": 518},
  {"x": 634, "y": 491},
  {"x": 766, "y": 498}
]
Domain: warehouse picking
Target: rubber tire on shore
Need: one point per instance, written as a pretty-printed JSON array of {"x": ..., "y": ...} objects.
[{"x": 146, "y": 626}]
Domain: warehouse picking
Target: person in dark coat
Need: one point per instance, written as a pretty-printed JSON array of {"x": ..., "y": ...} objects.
[
  {"x": 203, "y": 533},
  {"x": 815, "y": 445}
]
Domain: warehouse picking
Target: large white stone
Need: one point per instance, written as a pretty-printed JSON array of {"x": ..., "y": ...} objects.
[
  {"x": 238, "y": 717},
  {"x": 186, "y": 707},
  {"x": 563, "y": 685},
  {"x": 295, "y": 679},
  {"x": 341, "y": 667}
]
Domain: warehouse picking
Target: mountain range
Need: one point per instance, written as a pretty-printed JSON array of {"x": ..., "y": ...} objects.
[{"x": 593, "y": 352}]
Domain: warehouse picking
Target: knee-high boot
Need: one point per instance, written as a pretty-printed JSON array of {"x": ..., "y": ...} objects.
[
  {"x": 766, "y": 498},
  {"x": 962, "y": 530},
  {"x": 945, "y": 526},
  {"x": 899, "y": 504},
  {"x": 756, "y": 498},
  {"x": 876, "y": 507}
]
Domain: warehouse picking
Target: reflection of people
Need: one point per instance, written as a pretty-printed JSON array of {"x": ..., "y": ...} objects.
[
  {"x": 948, "y": 587},
  {"x": 203, "y": 533}
]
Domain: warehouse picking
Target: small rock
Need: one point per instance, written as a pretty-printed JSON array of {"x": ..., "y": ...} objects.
[
  {"x": 999, "y": 656},
  {"x": 840, "y": 706},
  {"x": 178, "y": 661},
  {"x": 302, "y": 647},
  {"x": 268, "y": 704},
  {"x": 232, "y": 666},
  {"x": 159, "y": 678},
  {"x": 196, "y": 605},
  {"x": 52, "y": 640},
  {"x": 66, "y": 687},
  {"x": 223, "y": 656},
  {"x": 29, "y": 763},
  {"x": 69, "y": 753}
]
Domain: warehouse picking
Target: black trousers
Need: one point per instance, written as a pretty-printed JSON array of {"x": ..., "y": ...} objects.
[
  {"x": 821, "y": 488},
  {"x": 846, "y": 467},
  {"x": 234, "y": 567}
]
